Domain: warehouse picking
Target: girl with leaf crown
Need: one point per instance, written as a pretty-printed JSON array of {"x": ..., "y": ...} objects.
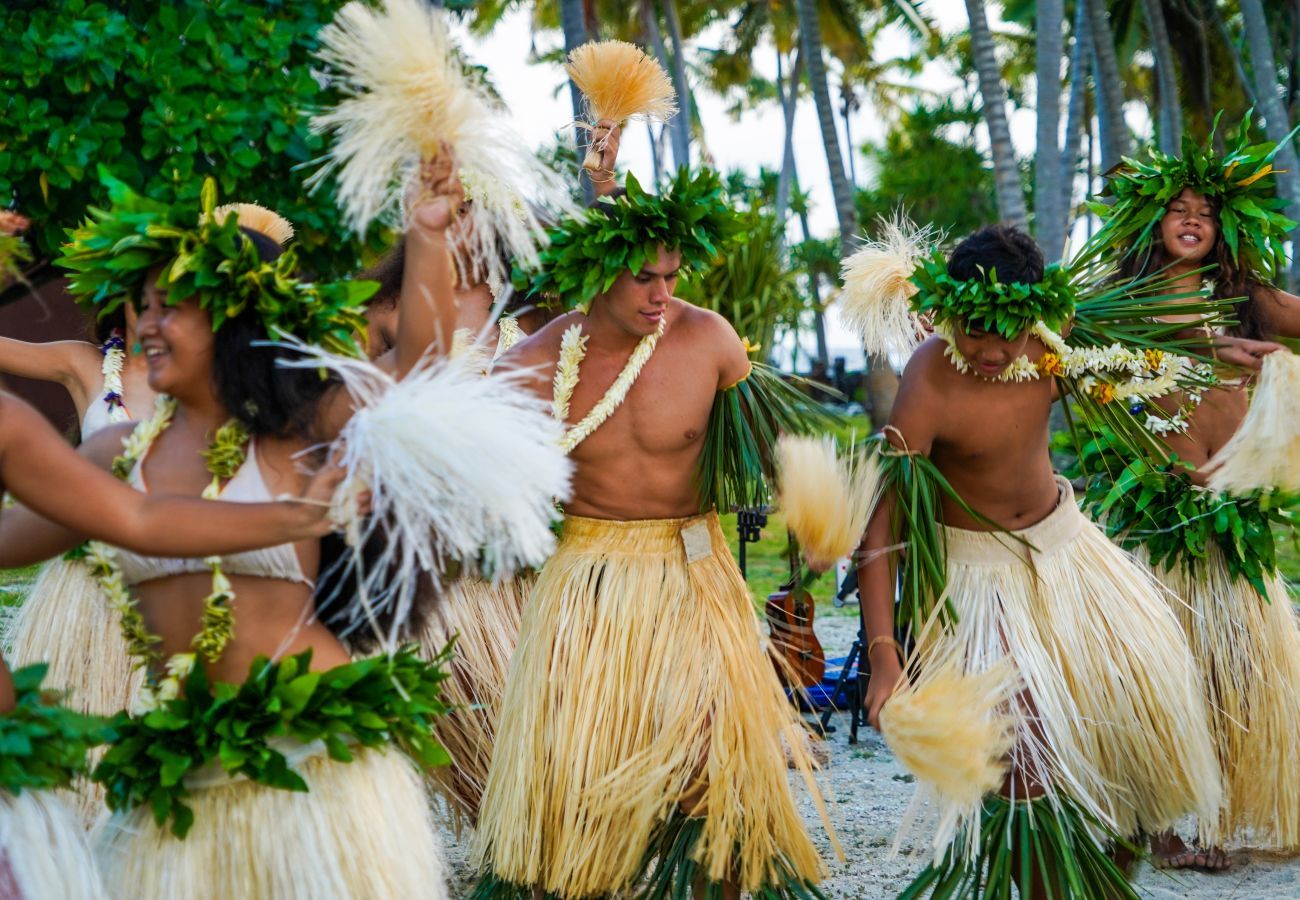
[{"x": 1201, "y": 507}]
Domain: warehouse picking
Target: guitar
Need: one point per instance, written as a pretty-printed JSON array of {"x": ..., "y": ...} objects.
[{"x": 789, "y": 610}]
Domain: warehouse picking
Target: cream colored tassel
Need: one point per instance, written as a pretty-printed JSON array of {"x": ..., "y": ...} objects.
[
  {"x": 875, "y": 302},
  {"x": 827, "y": 500},
  {"x": 1265, "y": 451}
]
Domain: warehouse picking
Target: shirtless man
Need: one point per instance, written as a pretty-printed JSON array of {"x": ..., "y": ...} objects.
[{"x": 641, "y": 717}]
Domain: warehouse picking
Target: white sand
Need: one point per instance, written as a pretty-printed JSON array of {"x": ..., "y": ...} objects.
[{"x": 869, "y": 792}]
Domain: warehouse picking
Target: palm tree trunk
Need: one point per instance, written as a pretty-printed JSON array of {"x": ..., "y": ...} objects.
[
  {"x": 1006, "y": 174},
  {"x": 788, "y": 93},
  {"x": 1276, "y": 124},
  {"x": 681, "y": 132},
  {"x": 1049, "y": 47},
  {"x": 1080, "y": 59},
  {"x": 1169, "y": 128},
  {"x": 1112, "y": 129},
  {"x": 1238, "y": 65},
  {"x": 575, "y": 35},
  {"x": 654, "y": 36},
  {"x": 882, "y": 383}
]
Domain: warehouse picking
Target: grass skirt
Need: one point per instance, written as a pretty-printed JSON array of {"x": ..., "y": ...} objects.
[
  {"x": 66, "y": 623},
  {"x": 1248, "y": 652},
  {"x": 484, "y": 618},
  {"x": 640, "y": 676},
  {"x": 1110, "y": 710},
  {"x": 43, "y": 850},
  {"x": 363, "y": 830}
]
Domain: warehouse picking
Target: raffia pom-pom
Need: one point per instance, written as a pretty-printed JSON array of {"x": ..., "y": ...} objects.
[
  {"x": 875, "y": 302},
  {"x": 257, "y": 218},
  {"x": 1265, "y": 452},
  {"x": 620, "y": 82},
  {"x": 826, "y": 499},
  {"x": 952, "y": 731}
]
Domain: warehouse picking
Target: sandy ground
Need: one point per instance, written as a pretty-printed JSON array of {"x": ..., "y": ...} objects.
[{"x": 869, "y": 792}]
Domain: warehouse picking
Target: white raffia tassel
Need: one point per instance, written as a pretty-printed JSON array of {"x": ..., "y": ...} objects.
[
  {"x": 257, "y": 218},
  {"x": 827, "y": 500},
  {"x": 619, "y": 82},
  {"x": 875, "y": 302},
  {"x": 1265, "y": 451},
  {"x": 953, "y": 732},
  {"x": 461, "y": 467},
  {"x": 405, "y": 95}
]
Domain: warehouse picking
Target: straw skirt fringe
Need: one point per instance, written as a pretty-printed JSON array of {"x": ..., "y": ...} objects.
[
  {"x": 66, "y": 623},
  {"x": 484, "y": 618},
  {"x": 1110, "y": 710},
  {"x": 363, "y": 830},
  {"x": 1248, "y": 653},
  {"x": 43, "y": 850},
  {"x": 640, "y": 676}
]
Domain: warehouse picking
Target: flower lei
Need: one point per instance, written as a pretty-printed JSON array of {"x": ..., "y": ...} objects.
[
  {"x": 573, "y": 349},
  {"x": 114, "y": 351},
  {"x": 1107, "y": 374},
  {"x": 224, "y": 456}
]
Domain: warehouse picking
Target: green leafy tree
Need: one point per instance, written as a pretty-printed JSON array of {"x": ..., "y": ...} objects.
[{"x": 165, "y": 94}]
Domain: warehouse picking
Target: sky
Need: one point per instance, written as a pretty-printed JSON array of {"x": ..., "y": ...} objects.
[{"x": 538, "y": 100}]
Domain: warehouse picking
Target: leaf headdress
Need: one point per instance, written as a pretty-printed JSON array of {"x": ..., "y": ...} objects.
[
  {"x": 205, "y": 257},
  {"x": 588, "y": 251},
  {"x": 1240, "y": 182}
]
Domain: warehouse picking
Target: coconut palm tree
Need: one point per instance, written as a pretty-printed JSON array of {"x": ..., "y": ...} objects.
[
  {"x": 1112, "y": 130},
  {"x": 1006, "y": 174},
  {"x": 1049, "y": 171},
  {"x": 1169, "y": 128}
]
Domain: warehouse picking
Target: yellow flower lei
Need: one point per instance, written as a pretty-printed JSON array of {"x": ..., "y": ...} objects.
[
  {"x": 573, "y": 347},
  {"x": 224, "y": 456}
]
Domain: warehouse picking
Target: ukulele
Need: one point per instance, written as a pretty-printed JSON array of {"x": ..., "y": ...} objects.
[{"x": 800, "y": 661}]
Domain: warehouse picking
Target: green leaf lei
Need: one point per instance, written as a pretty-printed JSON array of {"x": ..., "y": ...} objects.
[
  {"x": 1157, "y": 507},
  {"x": 1241, "y": 181},
  {"x": 587, "y": 252},
  {"x": 43, "y": 745},
  {"x": 1008, "y": 309},
  {"x": 371, "y": 702},
  {"x": 113, "y": 251}
]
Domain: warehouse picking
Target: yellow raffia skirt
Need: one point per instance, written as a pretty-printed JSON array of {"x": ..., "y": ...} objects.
[
  {"x": 363, "y": 830},
  {"x": 640, "y": 676},
  {"x": 66, "y": 623},
  {"x": 484, "y": 618},
  {"x": 1110, "y": 709},
  {"x": 43, "y": 850},
  {"x": 1248, "y": 653}
]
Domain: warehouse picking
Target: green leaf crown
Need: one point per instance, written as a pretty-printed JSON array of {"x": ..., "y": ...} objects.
[
  {"x": 1240, "y": 181},
  {"x": 112, "y": 252},
  {"x": 1005, "y": 308},
  {"x": 588, "y": 251}
]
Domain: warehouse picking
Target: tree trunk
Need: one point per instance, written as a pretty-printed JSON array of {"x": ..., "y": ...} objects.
[
  {"x": 1112, "y": 129},
  {"x": 882, "y": 383},
  {"x": 654, "y": 36},
  {"x": 1049, "y": 47},
  {"x": 681, "y": 133},
  {"x": 1080, "y": 62},
  {"x": 1169, "y": 119},
  {"x": 1238, "y": 64},
  {"x": 1276, "y": 124},
  {"x": 575, "y": 35},
  {"x": 788, "y": 93},
  {"x": 1006, "y": 174}
]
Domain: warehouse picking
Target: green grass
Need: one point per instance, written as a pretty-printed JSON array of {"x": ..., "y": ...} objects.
[
  {"x": 14, "y": 584},
  {"x": 767, "y": 566}
]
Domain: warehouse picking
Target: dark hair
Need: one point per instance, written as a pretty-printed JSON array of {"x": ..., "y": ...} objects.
[
  {"x": 1230, "y": 279},
  {"x": 1008, "y": 250},
  {"x": 388, "y": 272},
  {"x": 104, "y": 326}
]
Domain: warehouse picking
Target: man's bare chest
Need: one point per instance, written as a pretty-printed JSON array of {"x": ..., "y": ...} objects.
[{"x": 665, "y": 410}]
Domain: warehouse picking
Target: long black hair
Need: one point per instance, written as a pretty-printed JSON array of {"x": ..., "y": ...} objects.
[{"x": 1231, "y": 280}]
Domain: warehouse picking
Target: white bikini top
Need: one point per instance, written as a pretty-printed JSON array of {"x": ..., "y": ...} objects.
[
  {"x": 107, "y": 408},
  {"x": 100, "y": 414},
  {"x": 247, "y": 486}
]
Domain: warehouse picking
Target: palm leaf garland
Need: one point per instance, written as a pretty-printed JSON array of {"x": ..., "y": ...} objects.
[
  {"x": 1027, "y": 842},
  {"x": 587, "y": 252},
  {"x": 112, "y": 253},
  {"x": 1001, "y": 308},
  {"x": 43, "y": 745},
  {"x": 371, "y": 702},
  {"x": 1240, "y": 181},
  {"x": 738, "y": 464}
]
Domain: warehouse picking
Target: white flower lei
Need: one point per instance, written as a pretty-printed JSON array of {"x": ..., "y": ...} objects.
[
  {"x": 111, "y": 369},
  {"x": 573, "y": 348}
]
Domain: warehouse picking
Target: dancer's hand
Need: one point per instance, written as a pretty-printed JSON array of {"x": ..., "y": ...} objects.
[
  {"x": 317, "y": 503},
  {"x": 605, "y": 139},
  {"x": 435, "y": 199},
  {"x": 886, "y": 672},
  {"x": 1242, "y": 352}
]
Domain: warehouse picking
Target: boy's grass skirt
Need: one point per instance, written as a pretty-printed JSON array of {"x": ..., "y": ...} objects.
[
  {"x": 66, "y": 623},
  {"x": 1248, "y": 652},
  {"x": 43, "y": 850},
  {"x": 363, "y": 829},
  {"x": 484, "y": 619},
  {"x": 1109, "y": 717},
  {"x": 640, "y": 682}
]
